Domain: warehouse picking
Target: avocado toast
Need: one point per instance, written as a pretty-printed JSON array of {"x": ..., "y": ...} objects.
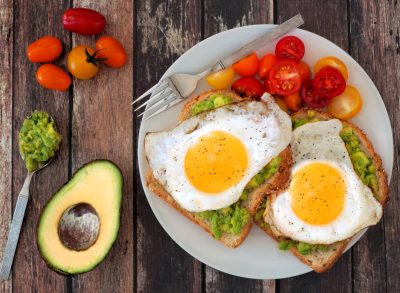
[
  {"x": 368, "y": 166},
  {"x": 231, "y": 224}
]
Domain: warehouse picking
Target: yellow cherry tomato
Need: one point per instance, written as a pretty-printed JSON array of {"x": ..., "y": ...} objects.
[
  {"x": 221, "y": 79},
  {"x": 334, "y": 62},
  {"x": 82, "y": 62},
  {"x": 347, "y": 104}
]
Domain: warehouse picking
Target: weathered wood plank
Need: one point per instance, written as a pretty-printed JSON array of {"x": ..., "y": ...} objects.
[
  {"x": 32, "y": 21},
  {"x": 6, "y": 51},
  {"x": 374, "y": 43},
  {"x": 321, "y": 17},
  {"x": 220, "y": 16},
  {"x": 102, "y": 128},
  {"x": 161, "y": 265}
]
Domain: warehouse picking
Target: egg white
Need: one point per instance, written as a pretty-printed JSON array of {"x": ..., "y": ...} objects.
[
  {"x": 320, "y": 142},
  {"x": 263, "y": 128}
]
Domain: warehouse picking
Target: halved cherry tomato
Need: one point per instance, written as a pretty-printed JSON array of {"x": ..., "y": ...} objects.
[
  {"x": 293, "y": 101},
  {"x": 281, "y": 104},
  {"x": 248, "y": 66},
  {"x": 53, "y": 77},
  {"x": 284, "y": 78},
  {"x": 290, "y": 47},
  {"x": 310, "y": 98},
  {"x": 248, "y": 87},
  {"x": 83, "y": 21},
  {"x": 304, "y": 71},
  {"x": 329, "y": 82},
  {"x": 347, "y": 104},
  {"x": 266, "y": 63},
  {"x": 267, "y": 86},
  {"x": 82, "y": 62},
  {"x": 45, "y": 49},
  {"x": 112, "y": 50},
  {"x": 221, "y": 79},
  {"x": 334, "y": 62}
]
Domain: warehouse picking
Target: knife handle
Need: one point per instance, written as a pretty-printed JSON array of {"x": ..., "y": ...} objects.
[{"x": 260, "y": 42}]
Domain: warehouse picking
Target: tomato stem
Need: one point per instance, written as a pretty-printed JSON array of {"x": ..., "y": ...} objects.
[{"x": 92, "y": 58}]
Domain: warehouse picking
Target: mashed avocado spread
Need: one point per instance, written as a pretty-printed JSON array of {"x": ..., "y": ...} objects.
[
  {"x": 38, "y": 140},
  {"x": 232, "y": 219},
  {"x": 212, "y": 102}
]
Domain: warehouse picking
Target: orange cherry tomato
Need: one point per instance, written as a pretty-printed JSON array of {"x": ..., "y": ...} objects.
[
  {"x": 304, "y": 70},
  {"x": 293, "y": 101},
  {"x": 221, "y": 79},
  {"x": 347, "y": 104},
  {"x": 83, "y": 62},
  {"x": 281, "y": 104},
  {"x": 45, "y": 49},
  {"x": 248, "y": 66},
  {"x": 53, "y": 77},
  {"x": 112, "y": 49},
  {"x": 333, "y": 62},
  {"x": 266, "y": 63}
]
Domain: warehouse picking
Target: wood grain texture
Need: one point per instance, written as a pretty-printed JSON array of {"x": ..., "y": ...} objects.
[
  {"x": 218, "y": 16},
  {"x": 32, "y": 21},
  {"x": 6, "y": 51},
  {"x": 374, "y": 43},
  {"x": 164, "y": 30},
  {"x": 102, "y": 129},
  {"x": 333, "y": 26}
]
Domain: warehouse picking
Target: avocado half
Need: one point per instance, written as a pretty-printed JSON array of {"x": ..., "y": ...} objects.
[{"x": 97, "y": 185}]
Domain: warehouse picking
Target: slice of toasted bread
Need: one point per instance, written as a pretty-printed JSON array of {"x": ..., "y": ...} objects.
[
  {"x": 321, "y": 261},
  {"x": 275, "y": 183}
]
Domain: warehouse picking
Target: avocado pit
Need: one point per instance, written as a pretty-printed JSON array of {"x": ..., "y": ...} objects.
[{"x": 79, "y": 227}]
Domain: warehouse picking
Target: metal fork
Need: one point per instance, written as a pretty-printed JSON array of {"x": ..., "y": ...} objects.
[{"x": 177, "y": 87}]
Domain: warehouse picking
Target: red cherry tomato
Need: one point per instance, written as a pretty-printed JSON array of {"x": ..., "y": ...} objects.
[
  {"x": 83, "y": 21},
  {"x": 290, "y": 47},
  {"x": 53, "y": 77},
  {"x": 310, "y": 98},
  {"x": 268, "y": 88},
  {"x": 293, "y": 102},
  {"x": 112, "y": 50},
  {"x": 329, "y": 82},
  {"x": 284, "y": 78},
  {"x": 45, "y": 49},
  {"x": 248, "y": 66},
  {"x": 248, "y": 87},
  {"x": 266, "y": 63},
  {"x": 304, "y": 71}
]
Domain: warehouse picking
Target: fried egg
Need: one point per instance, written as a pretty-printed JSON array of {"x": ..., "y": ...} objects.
[
  {"x": 326, "y": 201},
  {"x": 206, "y": 161}
]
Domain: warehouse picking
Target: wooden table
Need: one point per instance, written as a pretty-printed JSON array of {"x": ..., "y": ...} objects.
[{"x": 95, "y": 120}]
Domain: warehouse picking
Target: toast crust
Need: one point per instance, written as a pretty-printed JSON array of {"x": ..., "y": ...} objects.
[{"x": 322, "y": 261}]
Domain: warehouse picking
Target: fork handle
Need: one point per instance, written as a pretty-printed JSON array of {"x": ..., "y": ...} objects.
[
  {"x": 15, "y": 229},
  {"x": 260, "y": 42}
]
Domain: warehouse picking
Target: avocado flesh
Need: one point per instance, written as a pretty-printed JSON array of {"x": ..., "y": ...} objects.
[{"x": 98, "y": 183}]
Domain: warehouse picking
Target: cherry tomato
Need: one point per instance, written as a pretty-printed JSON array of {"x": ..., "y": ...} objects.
[
  {"x": 293, "y": 101},
  {"x": 290, "y": 47},
  {"x": 221, "y": 79},
  {"x": 304, "y": 71},
  {"x": 248, "y": 66},
  {"x": 329, "y": 82},
  {"x": 310, "y": 98},
  {"x": 53, "y": 77},
  {"x": 284, "y": 78},
  {"x": 82, "y": 62},
  {"x": 268, "y": 88},
  {"x": 45, "y": 49},
  {"x": 266, "y": 63},
  {"x": 83, "y": 21},
  {"x": 112, "y": 50},
  {"x": 281, "y": 104},
  {"x": 248, "y": 87},
  {"x": 334, "y": 62},
  {"x": 347, "y": 104}
]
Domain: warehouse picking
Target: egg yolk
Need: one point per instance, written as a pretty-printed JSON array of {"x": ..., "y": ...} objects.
[
  {"x": 216, "y": 162},
  {"x": 317, "y": 193}
]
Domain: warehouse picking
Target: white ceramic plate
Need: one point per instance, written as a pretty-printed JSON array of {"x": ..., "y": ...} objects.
[{"x": 258, "y": 257}]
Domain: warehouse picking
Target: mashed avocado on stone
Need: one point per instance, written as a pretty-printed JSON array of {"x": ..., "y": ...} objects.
[
  {"x": 232, "y": 219},
  {"x": 212, "y": 102},
  {"x": 38, "y": 140}
]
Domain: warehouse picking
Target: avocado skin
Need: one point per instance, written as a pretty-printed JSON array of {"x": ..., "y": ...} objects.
[{"x": 118, "y": 224}]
